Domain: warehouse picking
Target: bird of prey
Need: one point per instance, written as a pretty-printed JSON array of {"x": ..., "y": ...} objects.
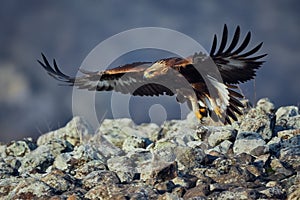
[{"x": 188, "y": 78}]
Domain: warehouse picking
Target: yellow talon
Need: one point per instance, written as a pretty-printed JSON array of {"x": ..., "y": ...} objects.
[{"x": 198, "y": 115}]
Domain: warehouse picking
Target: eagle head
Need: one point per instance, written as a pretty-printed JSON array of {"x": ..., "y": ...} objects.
[{"x": 155, "y": 70}]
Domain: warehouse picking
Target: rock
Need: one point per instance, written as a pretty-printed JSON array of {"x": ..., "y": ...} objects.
[
  {"x": 159, "y": 171},
  {"x": 237, "y": 193},
  {"x": 279, "y": 171},
  {"x": 247, "y": 141},
  {"x": 224, "y": 147},
  {"x": 124, "y": 167},
  {"x": 118, "y": 130},
  {"x": 196, "y": 192},
  {"x": 7, "y": 185},
  {"x": 101, "y": 177},
  {"x": 265, "y": 105},
  {"x": 106, "y": 148},
  {"x": 291, "y": 156},
  {"x": 93, "y": 165},
  {"x": 132, "y": 143},
  {"x": 6, "y": 170},
  {"x": 257, "y": 120},
  {"x": 287, "y": 134},
  {"x": 189, "y": 158},
  {"x": 59, "y": 181},
  {"x": 37, "y": 161},
  {"x": 71, "y": 161},
  {"x": 220, "y": 134},
  {"x": 30, "y": 188},
  {"x": 74, "y": 132},
  {"x": 20, "y": 148},
  {"x": 177, "y": 160},
  {"x": 178, "y": 132},
  {"x": 286, "y": 112}
]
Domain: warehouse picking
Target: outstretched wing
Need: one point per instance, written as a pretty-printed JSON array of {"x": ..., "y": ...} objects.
[
  {"x": 127, "y": 79},
  {"x": 234, "y": 63}
]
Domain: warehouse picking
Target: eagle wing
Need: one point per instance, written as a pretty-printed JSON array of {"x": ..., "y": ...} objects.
[
  {"x": 234, "y": 63},
  {"x": 127, "y": 79}
]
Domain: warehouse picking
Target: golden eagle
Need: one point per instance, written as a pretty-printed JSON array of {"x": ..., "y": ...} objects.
[{"x": 187, "y": 78}]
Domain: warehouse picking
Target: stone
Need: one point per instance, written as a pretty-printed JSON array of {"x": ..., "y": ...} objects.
[
  {"x": 220, "y": 134},
  {"x": 75, "y": 132},
  {"x": 159, "y": 171},
  {"x": 247, "y": 141},
  {"x": 101, "y": 177},
  {"x": 132, "y": 142},
  {"x": 196, "y": 192},
  {"x": 60, "y": 181},
  {"x": 30, "y": 188},
  {"x": 124, "y": 167},
  {"x": 286, "y": 112},
  {"x": 258, "y": 121},
  {"x": 265, "y": 105},
  {"x": 20, "y": 148},
  {"x": 37, "y": 161}
]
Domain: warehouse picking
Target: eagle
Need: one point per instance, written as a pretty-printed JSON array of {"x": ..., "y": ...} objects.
[{"x": 207, "y": 83}]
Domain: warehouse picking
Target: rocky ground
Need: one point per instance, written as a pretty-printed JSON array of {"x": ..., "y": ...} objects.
[{"x": 255, "y": 158}]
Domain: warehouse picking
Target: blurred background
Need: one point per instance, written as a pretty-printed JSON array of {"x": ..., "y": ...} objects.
[{"x": 32, "y": 103}]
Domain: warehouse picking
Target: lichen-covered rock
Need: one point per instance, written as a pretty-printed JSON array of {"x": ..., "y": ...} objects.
[
  {"x": 37, "y": 161},
  {"x": 247, "y": 141},
  {"x": 74, "y": 132},
  {"x": 20, "y": 148},
  {"x": 260, "y": 122},
  {"x": 30, "y": 188},
  {"x": 60, "y": 181},
  {"x": 124, "y": 167},
  {"x": 101, "y": 177},
  {"x": 220, "y": 134}
]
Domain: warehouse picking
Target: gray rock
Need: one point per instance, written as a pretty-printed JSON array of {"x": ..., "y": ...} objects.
[
  {"x": 265, "y": 105},
  {"x": 189, "y": 158},
  {"x": 118, "y": 130},
  {"x": 257, "y": 120},
  {"x": 286, "y": 112},
  {"x": 104, "y": 146},
  {"x": 291, "y": 155},
  {"x": 132, "y": 142},
  {"x": 7, "y": 185},
  {"x": 223, "y": 147},
  {"x": 101, "y": 177},
  {"x": 37, "y": 161},
  {"x": 220, "y": 134},
  {"x": 178, "y": 132},
  {"x": 6, "y": 170},
  {"x": 20, "y": 148},
  {"x": 124, "y": 167},
  {"x": 59, "y": 181},
  {"x": 247, "y": 141},
  {"x": 159, "y": 171},
  {"x": 74, "y": 132},
  {"x": 30, "y": 188},
  {"x": 93, "y": 165},
  {"x": 81, "y": 155}
]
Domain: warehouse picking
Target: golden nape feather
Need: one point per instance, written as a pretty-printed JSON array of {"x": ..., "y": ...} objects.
[{"x": 205, "y": 95}]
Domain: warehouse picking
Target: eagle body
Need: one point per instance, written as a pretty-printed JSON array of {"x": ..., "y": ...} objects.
[{"x": 207, "y": 92}]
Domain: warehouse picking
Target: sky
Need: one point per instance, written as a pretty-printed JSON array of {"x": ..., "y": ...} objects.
[{"x": 32, "y": 103}]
